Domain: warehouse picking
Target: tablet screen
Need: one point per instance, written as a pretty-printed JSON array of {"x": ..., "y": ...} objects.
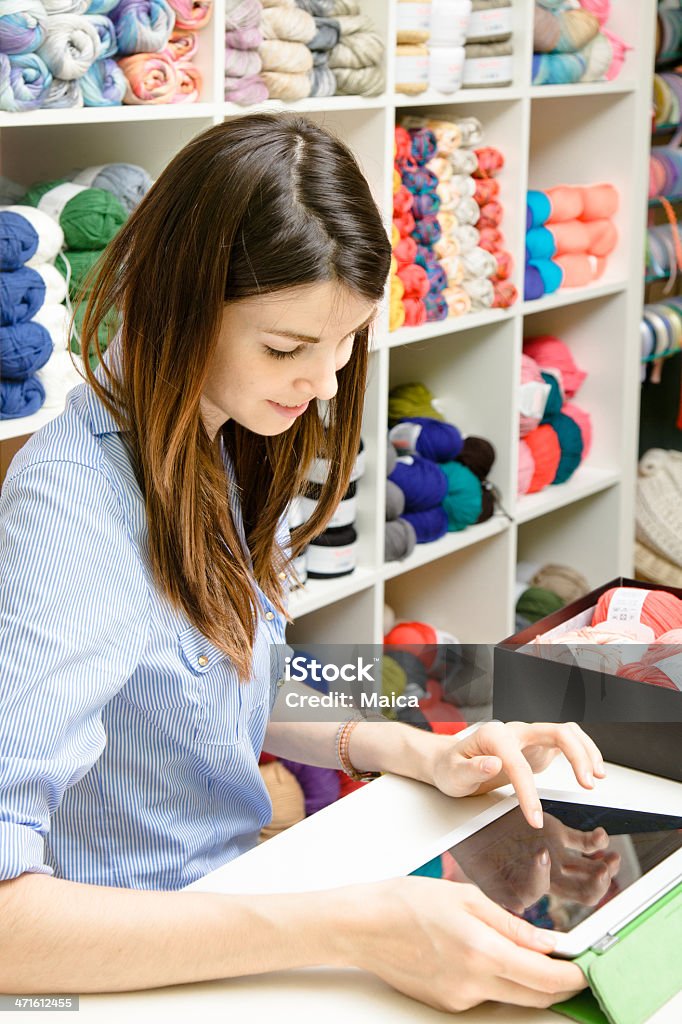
[{"x": 559, "y": 875}]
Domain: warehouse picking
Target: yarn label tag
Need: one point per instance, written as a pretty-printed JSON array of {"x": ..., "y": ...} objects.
[
  {"x": 330, "y": 561},
  {"x": 626, "y": 605},
  {"x": 413, "y": 16},
  {"x": 488, "y": 70},
  {"x": 344, "y": 514},
  {"x": 488, "y": 25},
  {"x": 404, "y": 437},
  {"x": 412, "y": 70},
  {"x": 54, "y": 201},
  {"x": 672, "y": 668},
  {"x": 533, "y": 398},
  {"x": 88, "y": 175}
]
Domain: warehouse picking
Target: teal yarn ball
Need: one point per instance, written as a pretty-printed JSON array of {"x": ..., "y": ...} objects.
[
  {"x": 571, "y": 444},
  {"x": 555, "y": 399},
  {"x": 463, "y": 503},
  {"x": 540, "y": 244},
  {"x": 551, "y": 273}
]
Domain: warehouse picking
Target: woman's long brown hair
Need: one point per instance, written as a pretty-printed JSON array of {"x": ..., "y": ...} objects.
[{"x": 251, "y": 206}]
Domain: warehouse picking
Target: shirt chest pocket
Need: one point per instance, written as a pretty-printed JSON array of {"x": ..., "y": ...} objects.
[{"x": 193, "y": 695}]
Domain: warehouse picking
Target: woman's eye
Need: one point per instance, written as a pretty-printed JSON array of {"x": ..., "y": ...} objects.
[{"x": 277, "y": 354}]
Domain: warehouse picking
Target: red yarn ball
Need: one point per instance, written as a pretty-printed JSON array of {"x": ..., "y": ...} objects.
[
  {"x": 415, "y": 312},
  {"x": 546, "y": 451},
  {"x": 405, "y": 224},
  {"x": 643, "y": 673},
  {"x": 415, "y": 280},
  {"x": 660, "y": 610},
  {"x": 491, "y": 215},
  {"x": 418, "y": 638},
  {"x": 487, "y": 189},
  {"x": 405, "y": 251},
  {"x": 403, "y": 201}
]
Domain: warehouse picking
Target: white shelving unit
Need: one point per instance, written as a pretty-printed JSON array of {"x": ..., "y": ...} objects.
[{"x": 549, "y": 135}]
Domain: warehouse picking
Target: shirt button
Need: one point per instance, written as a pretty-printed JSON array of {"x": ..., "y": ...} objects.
[
  {"x": 202, "y": 660},
  {"x": 282, "y": 575},
  {"x": 269, "y": 616}
]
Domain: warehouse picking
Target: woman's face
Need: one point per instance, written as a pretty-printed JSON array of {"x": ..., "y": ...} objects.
[{"x": 278, "y": 352}]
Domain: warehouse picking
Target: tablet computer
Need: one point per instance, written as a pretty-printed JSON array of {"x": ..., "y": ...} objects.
[{"x": 588, "y": 872}]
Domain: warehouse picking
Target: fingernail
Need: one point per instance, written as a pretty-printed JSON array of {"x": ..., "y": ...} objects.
[
  {"x": 488, "y": 767},
  {"x": 600, "y": 769},
  {"x": 547, "y": 939},
  {"x": 589, "y": 778},
  {"x": 544, "y": 857},
  {"x": 536, "y": 818}
]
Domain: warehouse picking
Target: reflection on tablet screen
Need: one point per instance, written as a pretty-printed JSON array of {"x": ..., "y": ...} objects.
[{"x": 559, "y": 875}]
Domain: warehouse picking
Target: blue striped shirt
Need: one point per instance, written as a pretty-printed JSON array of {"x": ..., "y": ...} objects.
[{"x": 128, "y": 749}]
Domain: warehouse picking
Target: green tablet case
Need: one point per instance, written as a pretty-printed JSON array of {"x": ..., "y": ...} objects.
[{"x": 635, "y": 973}]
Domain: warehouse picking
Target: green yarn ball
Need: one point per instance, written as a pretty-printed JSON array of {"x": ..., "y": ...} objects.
[
  {"x": 571, "y": 444},
  {"x": 407, "y": 400},
  {"x": 536, "y": 602},
  {"x": 464, "y": 501},
  {"x": 79, "y": 266},
  {"x": 89, "y": 220}
]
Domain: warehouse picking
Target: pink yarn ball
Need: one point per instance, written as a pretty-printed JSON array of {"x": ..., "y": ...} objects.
[
  {"x": 526, "y": 467},
  {"x": 530, "y": 372},
  {"x": 600, "y": 8},
  {"x": 553, "y": 354},
  {"x": 584, "y": 421}
]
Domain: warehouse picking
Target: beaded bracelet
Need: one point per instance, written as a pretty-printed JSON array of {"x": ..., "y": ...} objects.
[{"x": 342, "y": 744}]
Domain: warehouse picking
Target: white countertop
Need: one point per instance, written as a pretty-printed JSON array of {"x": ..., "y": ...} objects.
[{"x": 377, "y": 832}]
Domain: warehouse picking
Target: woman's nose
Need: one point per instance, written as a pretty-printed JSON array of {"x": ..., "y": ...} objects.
[{"x": 320, "y": 378}]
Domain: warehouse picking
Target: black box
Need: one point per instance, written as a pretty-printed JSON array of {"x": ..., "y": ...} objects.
[{"x": 634, "y": 724}]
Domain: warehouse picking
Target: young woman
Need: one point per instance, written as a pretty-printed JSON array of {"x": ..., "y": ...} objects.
[{"x": 145, "y": 563}]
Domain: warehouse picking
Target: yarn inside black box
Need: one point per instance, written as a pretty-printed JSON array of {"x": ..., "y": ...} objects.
[{"x": 634, "y": 723}]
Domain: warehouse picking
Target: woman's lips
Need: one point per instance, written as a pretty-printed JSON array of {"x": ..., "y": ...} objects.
[{"x": 290, "y": 411}]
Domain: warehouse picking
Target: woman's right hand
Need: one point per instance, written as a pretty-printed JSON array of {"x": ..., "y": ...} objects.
[{"x": 447, "y": 945}]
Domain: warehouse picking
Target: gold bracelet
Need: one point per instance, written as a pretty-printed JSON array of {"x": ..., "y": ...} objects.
[{"x": 342, "y": 744}]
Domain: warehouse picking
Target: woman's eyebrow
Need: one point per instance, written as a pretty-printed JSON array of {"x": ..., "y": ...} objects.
[{"x": 312, "y": 339}]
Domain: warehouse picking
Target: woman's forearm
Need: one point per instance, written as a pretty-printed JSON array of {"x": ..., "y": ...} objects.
[
  {"x": 374, "y": 746},
  {"x": 64, "y": 937}
]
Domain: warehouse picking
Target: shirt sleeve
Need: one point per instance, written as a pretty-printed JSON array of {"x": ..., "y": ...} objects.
[{"x": 74, "y": 618}]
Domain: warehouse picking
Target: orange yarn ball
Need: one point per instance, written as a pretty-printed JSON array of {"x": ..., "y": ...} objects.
[
  {"x": 643, "y": 673},
  {"x": 415, "y": 637},
  {"x": 546, "y": 451},
  {"x": 660, "y": 610}
]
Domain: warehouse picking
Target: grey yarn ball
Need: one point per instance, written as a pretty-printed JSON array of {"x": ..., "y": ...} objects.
[
  {"x": 391, "y": 458},
  {"x": 399, "y": 540},
  {"x": 395, "y": 501}
]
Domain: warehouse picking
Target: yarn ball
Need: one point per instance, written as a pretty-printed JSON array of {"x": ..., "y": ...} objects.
[
  {"x": 395, "y": 501},
  {"x": 539, "y": 208},
  {"x": 128, "y": 182},
  {"x": 660, "y": 610},
  {"x": 571, "y": 445},
  {"x": 562, "y": 580},
  {"x": 533, "y": 399},
  {"x": 423, "y": 483},
  {"x": 552, "y": 353},
  {"x": 399, "y": 539},
  {"x": 393, "y": 677},
  {"x": 22, "y": 293},
  {"x": 642, "y": 672},
  {"x": 545, "y": 449},
  {"x": 24, "y": 348},
  {"x": 584, "y": 421},
  {"x": 391, "y": 458},
  {"x": 540, "y": 244},
  {"x": 406, "y": 400},
  {"x": 555, "y": 398},
  {"x": 320, "y": 785},
  {"x": 18, "y": 240},
  {"x": 406, "y": 657},
  {"x": 89, "y": 219},
  {"x": 286, "y": 796},
  {"x": 478, "y": 455},
  {"x": 388, "y": 618},
  {"x": 536, "y": 603},
  {"x": 428, "y": 526},
  {"x": 526, "y": 470},
  {"x": 433, "y": 439},
  {"x": 463, "y": 502}
]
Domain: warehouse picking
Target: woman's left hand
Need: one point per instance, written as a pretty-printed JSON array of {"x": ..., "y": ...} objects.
[{"x": 498, "y": 754}]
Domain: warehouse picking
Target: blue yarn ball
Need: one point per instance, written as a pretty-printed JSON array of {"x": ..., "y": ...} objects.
[
  {"x": 24, "y": 348},
  {"x": 429, "y": 525},
  {"x": 422, "y": 482},
  {"x": 18, "y": 240},
  {"x": 438, "y": 441}
]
